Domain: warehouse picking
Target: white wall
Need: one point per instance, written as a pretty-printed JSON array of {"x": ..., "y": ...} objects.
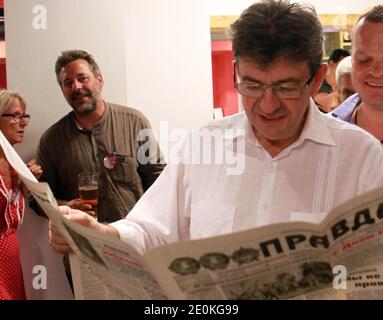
[
  {"x": 31, "y": 54},
  {"x": 155, "y": 56},
  {"x": 231, "y": 7},
  {"x": 168, "y": 51}
]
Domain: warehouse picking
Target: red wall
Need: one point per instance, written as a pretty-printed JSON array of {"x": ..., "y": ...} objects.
[
  {"x": 3, "y": 74},
  {"x": 225, "y": 95}
]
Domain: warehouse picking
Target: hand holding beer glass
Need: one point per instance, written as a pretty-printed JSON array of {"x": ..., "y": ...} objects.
[{"x": 88, "y": 189}]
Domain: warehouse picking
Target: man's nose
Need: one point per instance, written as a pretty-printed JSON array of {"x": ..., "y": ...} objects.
[
  {"x": 76, "y": 85},
  {"x": 23, "y": 124},
  {"x": 377, "y": 67},
  {"x": 269, "y": 102}
]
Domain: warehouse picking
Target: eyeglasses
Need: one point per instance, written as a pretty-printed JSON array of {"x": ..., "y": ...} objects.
[
  {"x": 18, "y": 117},
  {"x": 282, "y": 91}
]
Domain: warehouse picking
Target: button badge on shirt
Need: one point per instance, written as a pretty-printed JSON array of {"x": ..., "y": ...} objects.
[{"x": 111, "y": 160}]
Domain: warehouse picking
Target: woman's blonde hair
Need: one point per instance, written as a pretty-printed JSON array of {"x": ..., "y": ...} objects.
[{"x": 7, "y": 98}]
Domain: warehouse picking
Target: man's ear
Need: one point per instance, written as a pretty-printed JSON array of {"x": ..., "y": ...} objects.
[
  {"x": 318, "y": 79},
  {"x": 100, "y": 80}
]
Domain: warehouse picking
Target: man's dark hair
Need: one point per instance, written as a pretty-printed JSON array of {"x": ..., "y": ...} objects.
[
  {"x": 375, "y": 14},
  {"x": 72, "y": 55},
  {"x": 338, "y": 54},
  {"x": 271, "y": 29}
]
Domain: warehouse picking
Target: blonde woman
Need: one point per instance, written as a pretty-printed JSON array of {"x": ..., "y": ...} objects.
[{"x": 13, "y": 121}]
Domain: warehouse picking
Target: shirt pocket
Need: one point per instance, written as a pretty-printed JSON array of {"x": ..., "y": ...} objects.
[
  {"x": 125, "y": 172},
  {"x": 313, "y": 217},
  {"x": 208, "y": 220}
]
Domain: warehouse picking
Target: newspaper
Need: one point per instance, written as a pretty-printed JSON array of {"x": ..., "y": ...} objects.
[{"x": 340, "y": 258}]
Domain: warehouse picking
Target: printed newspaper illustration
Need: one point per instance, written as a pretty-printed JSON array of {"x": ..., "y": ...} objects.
[{"x": 340, "y": 258}]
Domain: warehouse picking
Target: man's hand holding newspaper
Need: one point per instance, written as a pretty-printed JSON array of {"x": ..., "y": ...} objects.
[{"x": 59, "y": 242}]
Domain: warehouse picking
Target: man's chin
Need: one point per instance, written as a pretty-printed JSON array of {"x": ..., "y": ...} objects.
[{"x": 83, "y": 110}]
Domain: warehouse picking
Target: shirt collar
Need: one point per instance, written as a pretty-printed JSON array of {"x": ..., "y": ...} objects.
[
  {"x": 346, "y": 108},
  {"x": 314, "y": 129},
  {"x": 241, "y": 127}
]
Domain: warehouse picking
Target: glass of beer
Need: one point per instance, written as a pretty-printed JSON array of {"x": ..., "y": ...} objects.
[{"x": 88, "y": 189}]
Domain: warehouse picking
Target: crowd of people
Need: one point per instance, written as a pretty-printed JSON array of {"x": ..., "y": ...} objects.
[{"x": 295, "y": 155}]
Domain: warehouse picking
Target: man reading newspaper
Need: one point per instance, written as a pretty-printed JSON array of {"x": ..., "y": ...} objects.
[{"x": 298, "y": 163}]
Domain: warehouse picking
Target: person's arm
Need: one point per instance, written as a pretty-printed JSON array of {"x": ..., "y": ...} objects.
[
  {"x": 150, "y": 159},
  {"x": 45, "y": 153},
  {"x": 59, "y": 243},
  {"x": 79, "y": 205},
  {"x": 162, "y": 215},
  {"x": 36, "y": 170},
  {"x": 74, "y": 204},
  {"x": 328, "y": 101},
  {"x": 47, "y": 163}
]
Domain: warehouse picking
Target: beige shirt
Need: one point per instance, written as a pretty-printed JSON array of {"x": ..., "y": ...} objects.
[
  {"x": 66, "y": 150},
  {"x": 331, "y": 162}
]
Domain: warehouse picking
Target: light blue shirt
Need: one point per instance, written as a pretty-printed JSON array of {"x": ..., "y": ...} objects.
[{"x": 346, "y": 108}]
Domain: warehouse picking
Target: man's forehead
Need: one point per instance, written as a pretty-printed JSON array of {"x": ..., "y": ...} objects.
[
  {"x": 278, "y": 62},
  {"x": 366, "y": 30},
  {"x": 78, "y": 63},
  {"x": 74, "y": 68},
  {"x": 282, "y": 68}
]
